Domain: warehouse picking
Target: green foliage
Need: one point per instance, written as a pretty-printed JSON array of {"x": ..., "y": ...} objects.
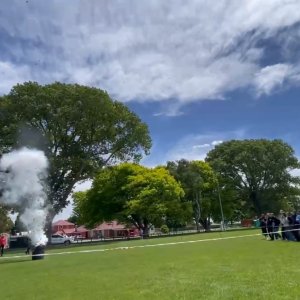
[
  {"x": 6, "y": 223},
  {"x": 79, "y": 199},
  {"x": 19, "y": 226},
  {"x": 81, "y": 129},
  {"x": 258, "y": 170},
  {"x": 199, "y": 183},
  {"x": 132, "y": 193},
  {"x": 291, "y": 202},
  {"x": 164, "y": 229},
  {"x": 74, "y": 219}
]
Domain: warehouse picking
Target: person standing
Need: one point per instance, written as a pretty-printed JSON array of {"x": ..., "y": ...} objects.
[
  {"x": 263, "y": 225},
  {"x": 290, "y": 229},
  {"x": 276, "y": 225},
  {"x": 295, "y": 226},
  {"x": 270, "y": 226},
  {"x": 29, "y": 246},
  {"x": 273, "y": 226},
  {"x": 285, "y": 226},
  {"x": 2, "y": 243}
]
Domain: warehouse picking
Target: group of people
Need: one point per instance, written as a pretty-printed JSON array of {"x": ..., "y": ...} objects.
[
  {"x": 285, "y": 226},
  {"x": 3, "y": 244}
]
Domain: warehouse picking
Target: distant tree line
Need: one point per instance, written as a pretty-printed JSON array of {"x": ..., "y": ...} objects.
[{"x": 240, "y": 178}]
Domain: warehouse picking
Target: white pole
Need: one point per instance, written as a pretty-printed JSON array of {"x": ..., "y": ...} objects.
[{"x": 221, "y": 206}]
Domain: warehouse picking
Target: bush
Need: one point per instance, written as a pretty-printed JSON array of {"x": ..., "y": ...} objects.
[{"x": 164, "y": 229}]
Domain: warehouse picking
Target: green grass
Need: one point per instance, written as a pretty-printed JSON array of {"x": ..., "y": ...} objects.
[{"x": 241, "y": 268}]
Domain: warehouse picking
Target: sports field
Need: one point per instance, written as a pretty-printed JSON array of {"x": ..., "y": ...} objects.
[{"x": 219, "y": 268}]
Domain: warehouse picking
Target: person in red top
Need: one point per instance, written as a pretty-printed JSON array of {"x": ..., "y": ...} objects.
[{"x": 2, "y": 243}]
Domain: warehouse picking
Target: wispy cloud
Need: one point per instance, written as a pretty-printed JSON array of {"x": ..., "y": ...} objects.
[
  {"x": 272, "y": 77},
  {"x": 215, "y": 143},
  {"x": 11, "y": 74},
  {"x": 212, "y": 144},
  {"x": 201, "y": 146},
  {"x": 149, "y": 50},
  {"x": 195, "y": 147},
  {"x": 192, "y": 147}
]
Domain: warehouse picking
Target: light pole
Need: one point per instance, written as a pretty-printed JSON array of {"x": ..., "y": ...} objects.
[{"x": 221, "y": 206}]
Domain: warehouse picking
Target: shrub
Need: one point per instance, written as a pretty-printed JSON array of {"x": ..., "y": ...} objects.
[{"x": 164, "y": 229}]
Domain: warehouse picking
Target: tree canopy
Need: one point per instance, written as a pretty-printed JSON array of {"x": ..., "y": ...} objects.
[
  {"x": 199, "y": 183},
  {"x": 133, "y": 194},
  {"x": 6, "y": 223},
  {"x": 259, "y": 170},
  {"x": 81, "y": 129}
]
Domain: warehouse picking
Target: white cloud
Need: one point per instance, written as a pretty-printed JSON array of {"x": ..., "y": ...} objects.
[
  {"x": 272, "y": 77},
  {"x": 11, "y": 74},
  {"x": 295, "y": 172},
  {"x": 148, "y": 50},
  {"x": 195, "y": 147},
  {"x": 215, "y": 143},
  {"x": 201, "y": 146}
]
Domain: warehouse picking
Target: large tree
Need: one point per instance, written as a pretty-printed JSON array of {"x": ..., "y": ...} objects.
[
  {"x": 200, "y": 186},
  {"x": 259, "y": 170},
  {"x": 81, "y": 129},
  {"x": 133, "y": 194}
]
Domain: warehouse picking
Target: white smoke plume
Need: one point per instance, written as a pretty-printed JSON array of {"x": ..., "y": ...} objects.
[{"x": 24, "y": 189}]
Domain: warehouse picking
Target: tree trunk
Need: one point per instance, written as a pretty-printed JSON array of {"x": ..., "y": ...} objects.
[
  {"x": 48, "y": 225},
  {"x": 141, "y": 224},
  {"x": 145, "y": 229},
  {"x": 197, "y": 224},
  {"x": 197, "y": 210},
  {"x": 145, "y": 232},
  {"x": 205, "y": 223}
]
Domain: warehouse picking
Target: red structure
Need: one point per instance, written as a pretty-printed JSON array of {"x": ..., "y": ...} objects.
[
  {"x": 114, "y": 229},
  {"x": 247, "y": 223},
  {"x": 111, "y": 229},
  {"x": 63, "y": 227},
  {"x": 82, "y": 232},
  {"x": 67, "y": 228}
]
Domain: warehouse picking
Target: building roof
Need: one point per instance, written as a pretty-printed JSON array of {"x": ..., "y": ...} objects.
[
  {"x": 62, "y": 223},
  {"x": 110, "y": 225},
  {"x": 65, "y": 231},
  {"x": 81, "y": 229}
]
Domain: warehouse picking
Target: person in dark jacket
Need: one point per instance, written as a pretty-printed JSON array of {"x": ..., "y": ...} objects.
[
  {"x": 29, "y": 246},
  {"x": 296, "y": 227},
  {"x": 290, "y": 227},
  {"x": 286, "y": 226},
  {"x": 273, "y": 226},
  {"x": 263, "y": 225},
  {"x": 276, "y": 221}
]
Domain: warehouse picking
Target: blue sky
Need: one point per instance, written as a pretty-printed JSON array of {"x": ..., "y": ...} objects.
[{"x": 197, "y": 72}]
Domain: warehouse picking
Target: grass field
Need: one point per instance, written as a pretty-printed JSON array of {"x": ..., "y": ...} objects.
[{"x": 239, "y": 268}]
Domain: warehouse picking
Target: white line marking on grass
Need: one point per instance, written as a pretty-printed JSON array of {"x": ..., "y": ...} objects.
[{"x": 134, "y": 247}]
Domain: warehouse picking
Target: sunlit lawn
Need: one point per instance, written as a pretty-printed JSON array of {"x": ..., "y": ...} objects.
[{"x": 242, "y": 268}]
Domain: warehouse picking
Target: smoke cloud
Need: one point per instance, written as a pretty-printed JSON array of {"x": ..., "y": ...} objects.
[{"x": 24, "y": 188}]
